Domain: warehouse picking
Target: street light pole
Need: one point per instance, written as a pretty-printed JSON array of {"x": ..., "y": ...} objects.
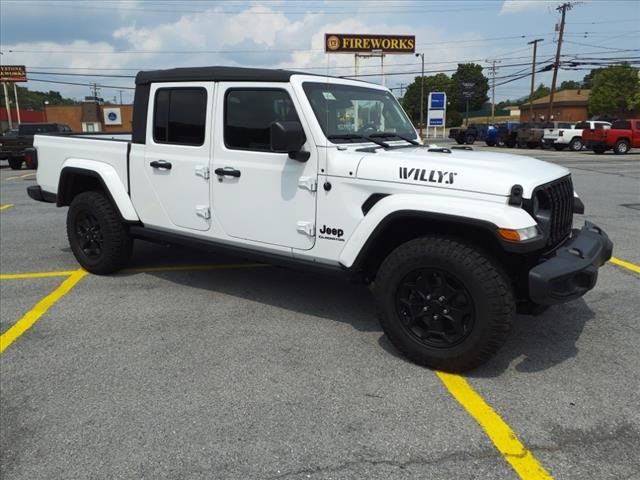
[{"x": 421, "y": 94}]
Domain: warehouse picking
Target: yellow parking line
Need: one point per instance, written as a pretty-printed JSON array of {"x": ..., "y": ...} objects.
[
  {"x": 21, "y": 276},
  {"x": 26, "y": 322},
  {"x": 5, "y": 206},
  {"x": 187, "y": 268},
  {"x": 627, "y": 265},
  {"x": 505, "y": 440}
]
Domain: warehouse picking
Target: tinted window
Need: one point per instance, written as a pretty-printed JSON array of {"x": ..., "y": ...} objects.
[
  {"x": 622, "y": 125},
  {"x": 179, "y": 116},
  {"x": 250, "y": 113},
  {"x": 582, "y": 125},
  {"x": 600, "y": 126},
  {"x": 564, "y": 125}
]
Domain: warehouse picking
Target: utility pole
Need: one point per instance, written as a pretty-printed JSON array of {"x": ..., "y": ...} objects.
[
  {"x": 533, "y": 74},
  {"x": 6, "y": 104},
  {"x": 493, "y": 89},
  {"x": 421, "y": 94},
  {"x": 120, "y": 91},
  {"x": 563, "y": 9}
]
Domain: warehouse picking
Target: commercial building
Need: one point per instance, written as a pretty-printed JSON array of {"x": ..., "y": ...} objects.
[
  {"x": 568, "y": 105},
  {"x": 91, "y": 116}
]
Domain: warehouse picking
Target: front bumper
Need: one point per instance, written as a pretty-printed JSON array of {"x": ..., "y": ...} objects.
[{"x": 573, "y": 270}]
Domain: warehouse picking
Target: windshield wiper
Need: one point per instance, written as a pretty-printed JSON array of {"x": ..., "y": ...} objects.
[
  {"x": 355, "y": 136},
  {"x": 395, "y": 135}
]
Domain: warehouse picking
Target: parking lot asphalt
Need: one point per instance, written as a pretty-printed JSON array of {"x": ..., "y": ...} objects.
[{"x": 259, "y": 372}]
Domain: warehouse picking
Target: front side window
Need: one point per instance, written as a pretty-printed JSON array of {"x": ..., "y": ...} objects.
[
  {"x": 249, "y": 114},
  {"x": 179, "y": 116},
  {"x": 346, "y": 112}
]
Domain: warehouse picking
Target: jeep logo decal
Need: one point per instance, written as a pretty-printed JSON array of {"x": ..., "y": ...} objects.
[
  {"x": 329, "y": 233},
  {"x": 433, "y": 176}
]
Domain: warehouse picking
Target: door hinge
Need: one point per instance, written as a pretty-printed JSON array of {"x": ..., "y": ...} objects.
[
  {"x": 202, "y": 171},
  {"x": 203, "y": 211},
  {"x": 308, "y": 228},
  {"x": 309, "y": 183}
]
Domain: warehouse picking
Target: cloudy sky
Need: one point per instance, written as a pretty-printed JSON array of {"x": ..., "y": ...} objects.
[{"x": 68, "y": 40}]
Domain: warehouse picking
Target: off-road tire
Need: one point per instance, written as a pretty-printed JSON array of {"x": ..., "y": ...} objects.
[
  {"x": 489, "y": 291},
  {"x": 116, "y": 241},
  {"x": 469, "y": 139},
  {"x": 621, "y": 147},
  {"x": 576, "y": 144},
  {"x": 15, "y": 163}
]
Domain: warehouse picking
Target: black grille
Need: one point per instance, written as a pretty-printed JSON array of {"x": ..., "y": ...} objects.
[{"x": 555, "y": 208}]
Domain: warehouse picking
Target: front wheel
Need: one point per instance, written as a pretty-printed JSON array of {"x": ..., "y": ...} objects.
[
  {"x": 98, "y": 238},
  {"x": 443, "y": 303}
]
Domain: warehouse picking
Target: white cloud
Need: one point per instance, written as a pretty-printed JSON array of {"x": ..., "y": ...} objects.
[{"x": 517, "y": 6}]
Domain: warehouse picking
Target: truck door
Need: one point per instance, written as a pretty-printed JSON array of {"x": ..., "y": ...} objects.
[
  {"x": 170, "y": 187},
  {"x": 258, "y": 194}
]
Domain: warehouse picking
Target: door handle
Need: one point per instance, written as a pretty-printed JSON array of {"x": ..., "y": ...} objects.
[
  {"x": 227, "y": 172},
  {"x": 161, "y": 164}
]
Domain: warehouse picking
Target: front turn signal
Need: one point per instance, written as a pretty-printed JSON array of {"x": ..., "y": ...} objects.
[{"x": 519, "y": 235}]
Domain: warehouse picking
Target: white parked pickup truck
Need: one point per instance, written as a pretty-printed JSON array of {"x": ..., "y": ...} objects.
[
  {"x": 328, "y": 173},
  {"x": 563, "y": 135}
]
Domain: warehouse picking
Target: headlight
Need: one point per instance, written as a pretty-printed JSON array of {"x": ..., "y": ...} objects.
[{"x": 519, "y": 235}]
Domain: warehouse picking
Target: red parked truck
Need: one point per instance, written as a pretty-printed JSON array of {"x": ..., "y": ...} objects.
[{"x": 621, "y": 137}]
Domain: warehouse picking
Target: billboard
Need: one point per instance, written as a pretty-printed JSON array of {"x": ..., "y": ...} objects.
[
  {"x": 13, "y": 73},
  {"x": 364, "y": 43}
]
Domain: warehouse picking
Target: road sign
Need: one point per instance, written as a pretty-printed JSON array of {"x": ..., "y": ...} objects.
[
  {"x": 13, "y": 73},
  {"x": 437, "y": 100}
]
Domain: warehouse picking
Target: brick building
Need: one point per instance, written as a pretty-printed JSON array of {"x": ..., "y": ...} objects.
[
  {"x": 92, "y": 117},
  {"x": 568, "y": 105}
]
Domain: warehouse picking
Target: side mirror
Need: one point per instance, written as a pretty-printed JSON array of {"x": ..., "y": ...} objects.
[{"x": 288, "y": 137}]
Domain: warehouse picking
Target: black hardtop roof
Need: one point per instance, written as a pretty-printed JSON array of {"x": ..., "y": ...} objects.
[{"x": 214, "y": 74}]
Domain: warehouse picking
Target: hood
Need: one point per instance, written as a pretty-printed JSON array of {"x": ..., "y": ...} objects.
[{"x": 482, "y": 172}]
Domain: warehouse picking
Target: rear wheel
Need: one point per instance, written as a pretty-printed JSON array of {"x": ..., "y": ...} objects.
[
  {"x": 98, "y": 238},
  {"x": 15, "y": 163},
  {"x": 621, "y": 147},
  {"x": 443, "y": 303},
  {"x": 576, "y": 144}
]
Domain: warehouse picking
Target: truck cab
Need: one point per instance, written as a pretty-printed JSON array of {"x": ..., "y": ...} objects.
[{"x": 327, "y": 173}]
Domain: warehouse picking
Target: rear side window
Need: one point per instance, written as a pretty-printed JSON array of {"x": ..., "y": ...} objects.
[
  {"x": 249, "y": 114},
  {"x": 179, "y": 116},
  {"x": 622, "y": 125},
  {"x": 582, "y": 125},
  {"x": 564, "y": 125}
]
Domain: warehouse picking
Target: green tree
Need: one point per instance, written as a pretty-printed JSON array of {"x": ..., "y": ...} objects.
[
  {"x": 541, "y": 91},
  {"x": 411, "y": 99},
  {"x": 615, "y": 91},
  {"x": 587, "y": 81},
  {"x": 471, "y": 73},
  {"x": 570, "y": 85},
  {"x": 35, "y": 100}
]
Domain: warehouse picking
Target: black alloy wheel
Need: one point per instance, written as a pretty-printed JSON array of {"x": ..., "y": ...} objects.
[
  {"x": 89, "y": 235},
  {"x": 435, "y": 308}
]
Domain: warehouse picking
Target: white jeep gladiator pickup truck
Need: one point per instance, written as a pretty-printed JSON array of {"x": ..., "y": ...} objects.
[{"x": 329, "y": 173}]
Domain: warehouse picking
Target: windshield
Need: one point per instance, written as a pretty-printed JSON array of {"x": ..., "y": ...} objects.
[{"x": 347, "y": 111}]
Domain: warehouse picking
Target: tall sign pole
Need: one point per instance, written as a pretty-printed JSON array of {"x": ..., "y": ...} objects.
[
  {"x": 15, "y": 94},
  {"x": 562, "y": 8},
  {"x": 421, "y": 94},
  {"x": 533, "y": 74},
  {"x": 6, "y": 104}
]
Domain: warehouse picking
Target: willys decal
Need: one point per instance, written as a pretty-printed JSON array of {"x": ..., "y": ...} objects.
[{"x": 424, "y": 175}]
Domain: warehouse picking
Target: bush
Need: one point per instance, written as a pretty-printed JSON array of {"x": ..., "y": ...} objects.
[{"x": 454, "y": 118}]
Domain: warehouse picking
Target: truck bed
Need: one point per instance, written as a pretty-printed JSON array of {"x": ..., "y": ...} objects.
[{"x": 56, "y": 149}]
